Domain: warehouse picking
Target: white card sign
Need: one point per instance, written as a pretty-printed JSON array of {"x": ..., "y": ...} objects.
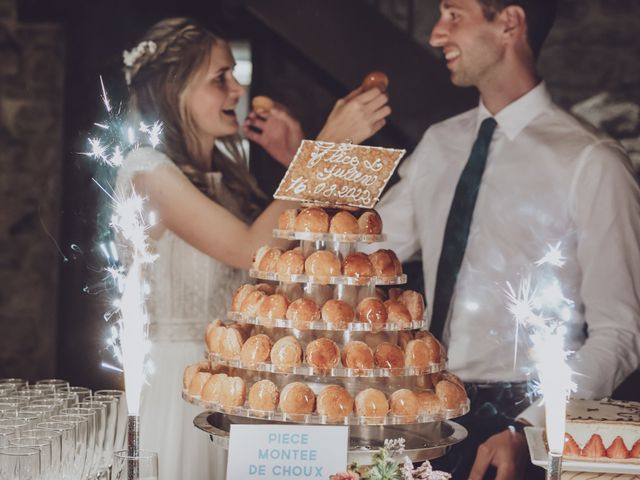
[
  {"x": 338, "y": 174},
  {"x": 277, "y": 452}
]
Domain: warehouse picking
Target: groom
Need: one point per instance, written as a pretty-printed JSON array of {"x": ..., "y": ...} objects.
[{"x": 483, "y": 195}]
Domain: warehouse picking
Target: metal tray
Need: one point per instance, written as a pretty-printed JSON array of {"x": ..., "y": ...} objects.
[{"x": 422, "y": 442}]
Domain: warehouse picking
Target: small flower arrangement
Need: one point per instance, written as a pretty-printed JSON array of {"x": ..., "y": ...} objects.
[{"x": 386, "y": 468}]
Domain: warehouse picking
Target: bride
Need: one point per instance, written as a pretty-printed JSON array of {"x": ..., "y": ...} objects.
[{"x": 211, "y": 214}]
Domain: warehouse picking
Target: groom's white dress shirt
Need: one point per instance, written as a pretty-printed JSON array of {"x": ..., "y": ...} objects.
[{"x": 549, "y": 181}]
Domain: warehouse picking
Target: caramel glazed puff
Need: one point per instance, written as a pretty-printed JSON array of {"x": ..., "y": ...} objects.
[{"x": 316, "y": 220}]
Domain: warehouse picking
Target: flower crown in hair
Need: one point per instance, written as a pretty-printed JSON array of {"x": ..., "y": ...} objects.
[{"x": 130, "y": 57}]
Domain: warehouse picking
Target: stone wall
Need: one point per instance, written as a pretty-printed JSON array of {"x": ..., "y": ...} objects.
[
  {"x": 590, "y": 60},
  {"x": 31, "y": 92}
]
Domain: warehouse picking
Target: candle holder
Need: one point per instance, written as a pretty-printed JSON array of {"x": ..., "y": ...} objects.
[{"x": 554, "y": 466}]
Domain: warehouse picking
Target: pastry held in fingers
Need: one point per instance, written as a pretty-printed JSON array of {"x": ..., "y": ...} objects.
[
  {"x": 262, "y": 104},
  {"x": 375, "y": 79}
]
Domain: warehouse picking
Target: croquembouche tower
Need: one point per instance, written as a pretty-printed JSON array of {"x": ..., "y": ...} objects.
[{"x": 324, "y": 335}]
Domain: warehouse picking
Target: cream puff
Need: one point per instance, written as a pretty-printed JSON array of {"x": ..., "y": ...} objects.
[
  {"x": 255, "y": 350},
  {"x": 343, "y": 222},
  {"x": 397, "y": 313},
  {"x": 297, "y": 397},
  {"x": 234, "y": 392},
  {"x": 198, "y": 382},
  {"x": 191, "y": 371},
  {"x": 404, "y": 403},
  {"x": 357, "y": 355},
  {"x": 231, "y": 344},
  {"x": 302, "y": 312},
  {"x": 414, "y": 302},
  {"x": 291, "y": 262},
  {"x": 388, "y": 355},
  {"x": 216, "y": 338},
  {"x": 273, "y": 307},
  {"x": 322, "y": 264},
  {"x": 287, "y": 219},
  {"x": 370, "y": 223},
  {"x": 264, "y": 396},
  {"x": 428, "y": 403},
  {"x": 251, "y": 304},
  {"x": 266, "y": 258},
  {"x": 435, "y": 347},
  {"x": 385, "y": 263},
  {"x": 372, "y": 310},
  {"x": 377, "y": 80},
  {"x": 240, "y": 295},
  {"x": 357, "y": 265},
  {"x": 417, "y": 354},
  {"x": 335, "y": 403},
  {"x": 371, "y": 403},
  {"x": 451, "y": 395},
  {"x": 262, "y": 104},
  {"x": 212, "y": 390},
  {"x": 322, "y": 353},
  {"x": 286, "y": 353},
  {"x": 312, "y": 219},
  {"x": 337, "y": 312}
]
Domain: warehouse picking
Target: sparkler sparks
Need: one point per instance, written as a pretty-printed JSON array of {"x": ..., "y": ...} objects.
[
  {"x": 541, "y": 310},
  {"x": 130, "y": 223}
]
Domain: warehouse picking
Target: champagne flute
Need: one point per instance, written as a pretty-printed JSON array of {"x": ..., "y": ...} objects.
[
  {"x": 42, "y": 444},
  {"x": 143, "y": 466},
  {"x": 21, "y": 463},
  {"x": 67, "y": 431},
  {"x": 80, "y": 464}
]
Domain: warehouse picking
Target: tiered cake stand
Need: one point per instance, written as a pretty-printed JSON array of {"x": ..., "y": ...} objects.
[{"x": 427, "y": 435}]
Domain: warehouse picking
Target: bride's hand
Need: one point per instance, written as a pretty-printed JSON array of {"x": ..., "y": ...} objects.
[
  {"x": 356, "y": 117},
  {"x": 276, "y": 131}
]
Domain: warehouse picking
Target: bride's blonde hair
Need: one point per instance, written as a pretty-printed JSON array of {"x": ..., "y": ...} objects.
[{"x": 170, "y": 54}]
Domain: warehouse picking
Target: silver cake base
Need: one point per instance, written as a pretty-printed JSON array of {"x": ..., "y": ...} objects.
[{"x": 423, "y": 441}]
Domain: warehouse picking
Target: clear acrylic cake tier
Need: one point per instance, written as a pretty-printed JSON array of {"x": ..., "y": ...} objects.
[
  {"x": 322, "y": 280},
  {"x": 316, "y": 419},
  {"x": 349, "y": 327},
  {"x": 337, "y": 372},
  {"x": 328, "y": 237}
]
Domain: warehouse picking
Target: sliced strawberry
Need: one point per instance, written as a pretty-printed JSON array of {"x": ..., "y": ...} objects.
[
  {"x": 594, "y": 447},
  {"x": 570, "y": 446},
  {"x": 618, "y": 449},
  {"x": 635, "y": 450}
]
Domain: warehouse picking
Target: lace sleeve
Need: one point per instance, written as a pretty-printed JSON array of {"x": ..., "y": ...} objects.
[{"x": 139, "y": 160}]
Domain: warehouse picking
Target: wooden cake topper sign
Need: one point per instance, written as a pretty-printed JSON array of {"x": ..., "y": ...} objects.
[{"x": 326, "y": 173}]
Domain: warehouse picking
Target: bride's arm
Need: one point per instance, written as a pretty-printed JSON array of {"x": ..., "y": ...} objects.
[{"x": 203, "y": 223}]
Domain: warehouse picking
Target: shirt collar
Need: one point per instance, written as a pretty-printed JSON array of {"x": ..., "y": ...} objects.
[{"x": 513, "y": 118}]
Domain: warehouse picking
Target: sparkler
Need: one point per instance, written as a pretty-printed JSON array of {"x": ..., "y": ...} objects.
[
  {"x": 541, "y": 311},
  {"x": 128, "y": 338}
]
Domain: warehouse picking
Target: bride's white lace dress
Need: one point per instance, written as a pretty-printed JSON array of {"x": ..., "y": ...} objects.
[{"x": 188, "y": 290}]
